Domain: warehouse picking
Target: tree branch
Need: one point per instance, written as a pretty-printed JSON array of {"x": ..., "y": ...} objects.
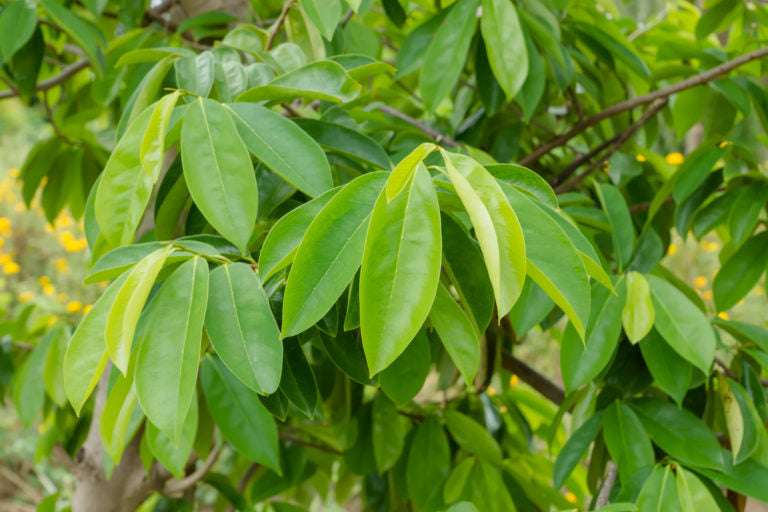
[
  {"x": 605, "y": 490},
  {"x": 278, "y": 24},
  {"x": 190, "y": 480},
  {"x": 631, "y": 103},
  {"x": 533, "y": 378},
  {"x": 439, "y": 137},
  {"x": 310, "y": 444},
  {"x": 48, "y": 83}
]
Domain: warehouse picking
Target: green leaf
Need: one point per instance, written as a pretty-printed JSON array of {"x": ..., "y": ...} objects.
[
  {"x": 457, "y": 333},
  {"x": 411, "y": 54},
  {"x": 626, "y": 440},
  {"x": 575, "y": 448},
  {"x": 166, "y": 368},
  {"x": 174, "y": 456},
  {"x": 53, "y": 368},
  {"x": 505, "y": 42},
  {"x": 329, "y": 254},
  {"x": 679, "y": 433},
  {"x": 526, "y": 181},
  {"x": 28, "y": 386},
  {"x": 745, "y": 428},
  {"x": 153, "y": 142},
  {"x": 462, "y": 506},
  {"x": 692, "y": 493},
  {"x": 242, "y": 328},
  {"x": 740, "y": 273},
  {"x": 747, "y": 478},
  {"x": 670, "y": 371},
  {"x": 714, "y": 17},
  {"x": 622, "y": 229},
  {"x": 531, "y": 92},
  {"x": 218, "y": 171},
  {"x": 86, "y": 355},
  {"x": 496, "y": 226},
  {"x": 125, "y": 187},
  {"x": 77, "y": 29},
  {"x": 120, "y": 417},
  {"x": 553, "y": 261},
  {"x": 286, "y": 234},
  {"x": 325, "y": 15},
  {"x": 473, "y": 437},
  {"x": 194, "y": 73},
  {"x": 17, "y": 24},
  {"x": 389, "y": 429},
  {"x": 404, "y": 170},
  {"x": 298, "y": 380},
  {"x": 323, "y": 80},
  {"x": 447, "y": 52},
  {"x": 404, "y": 378},
  {"x": 638, "y": 315},
  {"x": 488, "y": 489},
  {"x": 746, "y": 210},
  {"x": 346, "y": 141},
  {"x": 429, "y": 461},
  {"x": 283, "y": 147},
  {"x": 694, "y": 170},
  {"x": 659, "y": 492},
  {"x": 456, "y": 484},
  {"x": 580, "y": 362},
  {"x": 682, "y": 324},
  {"x": 238, "y": 412},
  {"x": 400, "y": 270},
  {"x": 128, "y": 304},
  {"x": 117, "y": 261}
]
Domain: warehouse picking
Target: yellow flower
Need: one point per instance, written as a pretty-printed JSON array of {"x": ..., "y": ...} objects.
[
  {"x": 503, "y": 409},
  {"x": 490, "y": 391},
  {"x": 672, "y": 249},
  {"x": 48, "y": 289},
  {"x": 5, "y": 226},
  {"x": 2, "y": 242},
  {"x": 44, "y": 280},
  {"x": 74, "y": 306},
  {"x": 724, "y": 143},
  {"x": 570, "y": 497},
  {"x": 76, "y": 245},
  {"x": 700, "y": 282},
  {"x": 25, "y": 296},
  {"x": 61, "y": 265},
  {"x": 5, "y": 258},
  {"x": 675, "y": 158},
  {"x": 62, "y": 297},
  {"x": 740, "y": 303},
  {"x": 513, "y": 380},
  {"x": 62, "y": 221},
  {"x": 723, "y": 315},
  {"x": 759, "y": 290},
  {"x": 87, "y": 308},
  {"x": 710, "y": 246},
  {"x": 13, "y": 172},
  {"x": 52, "y": 320},
  {"x": 640, "y": 158},
  {"x": 707, "y": 295},
  {"x": 11, "y": 268}
]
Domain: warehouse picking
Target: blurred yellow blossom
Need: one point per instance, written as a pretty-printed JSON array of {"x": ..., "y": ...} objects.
[
  {"x": 710, "y": 246},
  {"x": 741, "y": 302},
  {"x": 759, "y": 290},
  {"x": 724, "y": 143},
  {"x": 570, "y": 497},
  {"x": 20, "y": 206},
  {"x": 5, "y": 258},
  {"x": 61, "y": 265},
  {"x": 513, "y": 380},
  {"x": 87, "y": 308},
  {"x": 48, "y": 289},
  {"x": 2, "y": 242},
  {"x": 723, "y": 315},
  {"x": 490, "y": 391},
  {"x": 62, "y": 221},
  {"x": 13, "y": 172},
  {"x": 640, "y": 158},
  {"x": 25, "y": 296},
  {"x": 74, "y": 306},
  {"x": 52, "y": 320},
  {"x": 5, "y": 227},
  {"x": 11, "y": 267},
  {"x": 700, "y": 282},
  {"x": 503, "y": 409},
  {"x": 707, "y": 295},
  {"x": 44, "y": 280},
  {"x": 675, "y": 158},
  {"x": 62, "y": 297},
  {"x": 672, "y": 249}
]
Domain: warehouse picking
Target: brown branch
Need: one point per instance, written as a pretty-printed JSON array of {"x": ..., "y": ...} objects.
[
  {"x": 190, "y": 480},
  {"x": 533, "y": 378},
  {"x": 439, "y": 137},
  {"x": 278, "y": 24},
  {"x": 310, "y": 444},
  {"x": 48, "y": 83},
  {"x": 581, "y": 160},
  {"x": 620, "y": 141},
  {"x": 632, "y": 103},
  {"x": 605, "y": 492}
]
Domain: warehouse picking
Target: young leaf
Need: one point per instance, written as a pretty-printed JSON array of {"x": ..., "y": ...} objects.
[
  {"x": 283, "y": 147},
  {"x": 400, "y": 270},
  {"x": 174, "y": 455},
  {"x": 238, "y": 412},
  {"x": 166, "y": 368},
  {"x": 194, "y": 73},
  {"x": 242, "y": 328},
  {"x": 404, "y": 170},
  {"x": 128, "y": 304},
  {"x": 659, "y": 492},
  {"x": 153, "y": 142},
  {"x": 638, "y": 314},
  {"x": 218, "y": 171},
  {"x": 505, "y": 42},
  {"x": 324, "y": 15},
  {"x": 329, "y": 254},
  {"x": 80, "y": 32},
  {"x": 693, "y": 494}
]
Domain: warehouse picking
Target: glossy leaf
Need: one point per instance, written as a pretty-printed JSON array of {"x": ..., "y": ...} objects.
[
  {"x": 322, "y": 80},
  {"x": 388, "y": 432},
  {"x": 472, "y": 437},
  {"x": 638, "y": 315},
  {"x": 670, "y": 371},
  {"x": 428, "y": 461},
  {"x": 626, "y": 440},
  {"x": 659, "y": 492},
  {"x": 739, "y": 273},
  {"x": 405, "y": 377},
  {"x": 575, "y": 448},
  {"x": 324, "y": 15},
  {"x": 153, "y": 142},
  {"x": 622, "y": 229},
  {"x": 194, "y": 73},
  {"x": 746, "y": 210},
  {"x": 346, "y": 141},
  {"x": 174, "y": 456},
  {"x": 505, "y": 42},
  {"x": 692, "y": 493},
  {"x": 403, "y": 172}
]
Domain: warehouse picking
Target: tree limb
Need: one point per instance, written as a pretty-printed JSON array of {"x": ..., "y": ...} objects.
[
  {"x": 278, "y": 24},
  {"x": 310, "y": 444},
  {"x": 190, "y": 480},
  {"x": 48, "y": 83},
  {"x": 631, "y": 103},
  {"x": 533, "y": 378},
  {"x": 605, "y": 490},
  {"x": 439, "y": 137}
]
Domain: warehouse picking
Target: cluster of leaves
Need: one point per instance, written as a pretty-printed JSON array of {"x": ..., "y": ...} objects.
[{"x": 281, "y": 289}]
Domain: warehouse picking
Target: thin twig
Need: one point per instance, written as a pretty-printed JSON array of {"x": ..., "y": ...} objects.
[
  {"x": 631, "y": 103},
  {"x": 581, "y": 160},
  {"x": 49, "y": 116},
  {"x": 605, "y": 490},
  {"x": 310, "y": 444},
  {"x": 533, "y": 378},
  {"x": 190, "y": 480},
  {"x": 727, "y": 371},
  {"x": 278, "y": 24},
  {"x": 439, "y": 137},
  {"x": 44, "y": 85}
]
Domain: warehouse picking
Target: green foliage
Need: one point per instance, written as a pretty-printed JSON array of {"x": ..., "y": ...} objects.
[{"x": 328, "y": 234}]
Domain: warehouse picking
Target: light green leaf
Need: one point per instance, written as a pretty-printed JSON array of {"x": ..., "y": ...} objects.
[
  {"x": 638, "y": 314},
  {"x": 329, "y": 254},
  {"x": 505, "y": 43},
  {"x": 682, "y": 324},
  {"x": 473, "y": 437},
  {"x": 489, "y": 491},
  {"x": 238, "y": 412},
  {"x": 218, "y": 171},
  {"x": 324, "y": 14},
  {"x": 496, "y": 227},
  {"x": 153, "y": 142},
  {"x": 242, "y": 328},
  {"x": 174, "y": 455},
  {"x": 283, "y": 147},
  {"x": 389, "y": 431},
  {"x": 17, "y": 23},
  {"x": 659, "y": 492},
  {"x": 86, "y": 355},
  {"x": 80, "y": 32},
  {"x": 457, "y": 333},
  {"x": 120, "y": 417},
  {"x": 693, "y": 494},
  {"x": 125, "y": 187},
  {"x": 323, "y": 80},
  {"x": 128, "y": 304},
  {"x": 401, "y": 174},
  {"x": 166, "y": 368},
  {"x": 400, "y": 270},
  {"x": 194, "y": 73}
]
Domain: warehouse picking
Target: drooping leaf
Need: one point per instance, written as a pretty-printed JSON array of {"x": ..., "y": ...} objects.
[
  {"x": 405, "y": 377},
  {"x": 505, "y": 42},
  {"x": 638, "y": 315},
  {"x": 174, "y": 455},
  {"x": 473, "y": 437},
  {"x": 672, "y": 373},
  {"x": 739, "y": 273},
  {"x": 626, "y": 440},
  {"x": 428, "y": 461},
  {"x": 575, "y": 448},
  {"x": 153, "y": 141},
  {"x": 388, "y": 432},
  {"x": 17, "y": 24}
]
